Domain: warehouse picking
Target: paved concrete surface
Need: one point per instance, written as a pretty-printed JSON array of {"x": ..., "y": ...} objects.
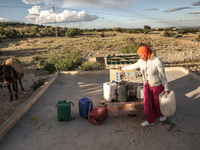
[{"x": 179, "y": 132}]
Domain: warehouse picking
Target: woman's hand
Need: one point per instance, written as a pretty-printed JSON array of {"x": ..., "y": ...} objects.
[
  {"x": 166, "y": 92},
  {"x": 119, "y": 68},
  {"x": 138, "y": 69}
]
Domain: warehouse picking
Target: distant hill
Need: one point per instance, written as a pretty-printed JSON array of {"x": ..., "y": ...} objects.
[
  {"x": 188, "y": 27},
  {"x": 18, "y": 25}
]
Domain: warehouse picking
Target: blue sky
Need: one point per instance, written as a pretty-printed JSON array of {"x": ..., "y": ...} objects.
[{"x": 103, "y": 13}]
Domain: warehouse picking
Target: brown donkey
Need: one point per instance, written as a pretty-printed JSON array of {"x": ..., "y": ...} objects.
[{"x": 10, "y": 71}]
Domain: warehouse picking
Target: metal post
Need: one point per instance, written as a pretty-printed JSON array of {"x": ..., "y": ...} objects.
[{"x": 55, "y": 22}]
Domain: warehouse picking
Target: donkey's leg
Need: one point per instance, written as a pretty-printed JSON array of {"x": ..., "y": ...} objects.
[
  {"x": 9, "y": 90},
  {"x": 15, "y": 88},
  {"x": 20, "y": 82}
]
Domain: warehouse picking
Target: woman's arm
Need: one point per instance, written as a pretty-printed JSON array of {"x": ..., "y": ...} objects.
[
  {"x": 131, "y": 67},
  {"x": 162, "y": 76}
]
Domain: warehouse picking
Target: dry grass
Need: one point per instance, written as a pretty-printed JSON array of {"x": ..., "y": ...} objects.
[
  {"x": 33, "y": 51},
  {"x": 28, "y": 49}
]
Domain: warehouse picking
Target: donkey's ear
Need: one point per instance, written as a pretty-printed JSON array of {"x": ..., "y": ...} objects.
[{"x": 4, "y": 63}]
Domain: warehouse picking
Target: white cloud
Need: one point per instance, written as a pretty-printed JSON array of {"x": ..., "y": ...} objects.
[
  {"x": 176, "y": 9},
  {"x": 150, "y": 9},
  {"x": 182, "y": 20},
  {"x": 4, "y": 19},
  {"x": 31, "y": 2},
  {"x": 39, "y": 16},
  {"x": 35, "y": 10},
  {"x": 74, "y": 24},
  {"x": 196, "y": 3},
  {"x": 69, "y": 25},
  {"x": 194, "y": 12},
  {"x": 88, "y": 3},
  {"x": 7, "y": 20}
]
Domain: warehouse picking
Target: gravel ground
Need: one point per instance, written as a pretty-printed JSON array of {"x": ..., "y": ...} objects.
[
  {"x": 174, "y": 53},
  {"x": 6, "y": 105}
]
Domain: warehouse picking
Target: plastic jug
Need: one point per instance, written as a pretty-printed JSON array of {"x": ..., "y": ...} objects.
[
  {"x": 85, "y": 106},
  {"x": 167, "y": 103},
  {"x": 64, "y": 110},
  {"x": 122, "y": 92},
  {"x": 97, "y": 115},
  {"x": 131, "y": 89},
  {"x": 140, "y": 92},
  {"x": 109, "y": 90}
]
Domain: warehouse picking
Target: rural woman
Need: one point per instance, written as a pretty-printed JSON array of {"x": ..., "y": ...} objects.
[{"x": 155, "y": 81}]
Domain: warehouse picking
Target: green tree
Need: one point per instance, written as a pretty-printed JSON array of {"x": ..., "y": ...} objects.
[
  {"x": 11, "y": 33},
  {"x": 47, "y": 31},
  {"x": 73, "y": 32},
  {"x": 146, "y": 27},
  {"x": 2, "y": 31}
]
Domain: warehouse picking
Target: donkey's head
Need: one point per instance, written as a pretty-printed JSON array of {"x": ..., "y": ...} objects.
[{"x": 1, "y": 70}]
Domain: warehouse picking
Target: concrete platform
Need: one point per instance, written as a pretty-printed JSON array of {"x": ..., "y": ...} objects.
[
  {"x": 181, "y": 131},
  {"x": 124, "y": 109}
]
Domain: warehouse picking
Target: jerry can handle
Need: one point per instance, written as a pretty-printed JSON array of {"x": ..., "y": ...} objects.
[
  {"x": 164, "y": 96},
  {"x": 72, "y": 103},
  {"x": 89, "y": 108},
  {"x": 69, "y": 101}
]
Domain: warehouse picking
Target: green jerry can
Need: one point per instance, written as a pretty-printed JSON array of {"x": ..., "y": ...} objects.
[{"x": 64, "y": 110}]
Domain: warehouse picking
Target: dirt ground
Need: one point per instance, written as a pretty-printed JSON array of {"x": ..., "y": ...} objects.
[
  {"x": 13, "y": 49},
  {"x": 6, "y": 105},
  {"x": 27, "y": 49},
  {"x": 179, "y": 132}
]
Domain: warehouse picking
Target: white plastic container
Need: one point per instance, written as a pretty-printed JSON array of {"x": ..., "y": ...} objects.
[
  {"x": 167, "y": 103},
  {"x": 140, "y": 92},
  {"x": 109, "y": 90}
]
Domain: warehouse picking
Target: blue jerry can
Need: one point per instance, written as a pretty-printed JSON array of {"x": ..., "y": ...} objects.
[{"x": 84, "y": 105}]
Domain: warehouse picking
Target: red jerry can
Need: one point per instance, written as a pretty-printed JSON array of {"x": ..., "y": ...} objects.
[{"x": 97, "y": 115}]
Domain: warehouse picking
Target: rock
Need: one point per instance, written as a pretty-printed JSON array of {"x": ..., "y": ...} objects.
[{"x": 103, "y": 101}]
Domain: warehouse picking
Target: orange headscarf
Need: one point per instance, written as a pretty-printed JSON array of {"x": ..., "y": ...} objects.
[{"x": 145, "y": 51}]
